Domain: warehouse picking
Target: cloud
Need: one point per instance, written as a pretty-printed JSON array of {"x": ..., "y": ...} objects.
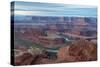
[{"x": 48, "y": 9}]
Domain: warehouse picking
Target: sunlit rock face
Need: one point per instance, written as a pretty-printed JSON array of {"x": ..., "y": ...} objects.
[
  {"x": 81, "y": 50},
  {"x": 78, "y": 51}
]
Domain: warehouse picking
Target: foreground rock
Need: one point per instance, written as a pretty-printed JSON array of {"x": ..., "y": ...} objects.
[
  {"x": 24, "y": 59},
  {"x": 81, "y": 50}
]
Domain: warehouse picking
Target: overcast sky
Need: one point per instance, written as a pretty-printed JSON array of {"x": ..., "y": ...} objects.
[{"x": 48, "y": 9}]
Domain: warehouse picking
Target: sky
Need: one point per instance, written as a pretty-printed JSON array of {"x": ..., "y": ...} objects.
[{"x": 51, "y": 9}]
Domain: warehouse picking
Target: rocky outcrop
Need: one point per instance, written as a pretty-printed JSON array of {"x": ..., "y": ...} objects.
[
  {"x": 81, "y": 50},
  {"x": 24, "y": 59},
  {"x": 78, "y": 51}
]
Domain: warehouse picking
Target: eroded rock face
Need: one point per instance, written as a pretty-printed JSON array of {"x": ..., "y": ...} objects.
[
  {"x": 24, "y": 59},
  {"x": 78, "y": 51},
  {"x": 28, "y": 58},
  {"x": 81, "y": 50}
]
